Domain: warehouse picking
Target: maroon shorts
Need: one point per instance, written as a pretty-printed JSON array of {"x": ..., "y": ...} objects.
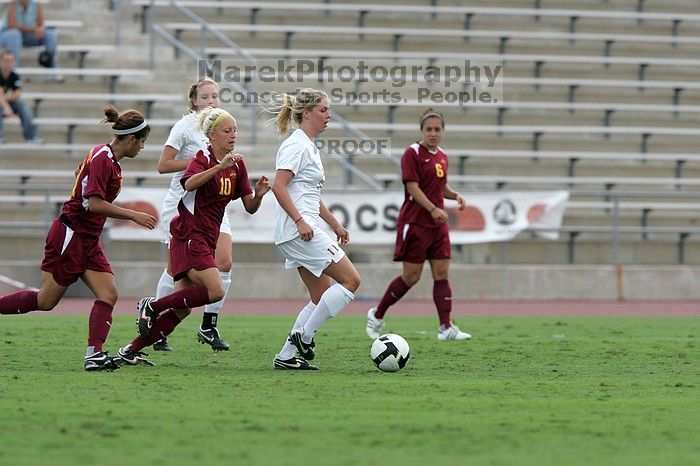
[
  {"x": 417, "y": 244},
  {"x": 68, "y": 255},
  {"x": 193, "y": 253}
]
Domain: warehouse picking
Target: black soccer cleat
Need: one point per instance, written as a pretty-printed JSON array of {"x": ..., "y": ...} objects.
[
  {"x": 133, "y": 358},
  {"x": 293, "y": 364},
  {"x": 162, "y": 345},
  {"x": 100, "y": 362},
  {"x": 211, "y": 337},
  {"x": 147, "y": 316},
  {"x": 306, "y": 350}
]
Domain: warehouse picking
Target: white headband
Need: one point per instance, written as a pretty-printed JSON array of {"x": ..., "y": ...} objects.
[
  {"x": 431, "y": 115},
  {"x": 135, "y": 129}
]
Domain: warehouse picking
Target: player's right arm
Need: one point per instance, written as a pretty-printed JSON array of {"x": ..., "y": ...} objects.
[
  {"x": 167, "y": 162},
  {"x": 279, "y": 188},
  {"x": 422, "y": 200},
  {"x": 198, "y": 174}
]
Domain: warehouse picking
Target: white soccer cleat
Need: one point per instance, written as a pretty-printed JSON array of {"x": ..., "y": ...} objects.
[
  {"x": 374, "y": 325},
  {"x": 452, "y": 333}
]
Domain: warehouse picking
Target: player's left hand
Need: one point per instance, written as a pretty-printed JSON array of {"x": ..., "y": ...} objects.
[
  {"x": 461, "y": 202},
  {"x": 342, "y": 234}
]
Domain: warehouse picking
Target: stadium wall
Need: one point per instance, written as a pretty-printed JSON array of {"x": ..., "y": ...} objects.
[{"x": 469, "y": 282}]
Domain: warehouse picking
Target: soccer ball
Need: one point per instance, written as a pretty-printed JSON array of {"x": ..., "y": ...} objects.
[{"x": 390, "y": 352}]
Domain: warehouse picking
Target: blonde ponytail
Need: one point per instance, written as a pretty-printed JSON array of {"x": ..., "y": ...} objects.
[{"x": 286, "y": 107}]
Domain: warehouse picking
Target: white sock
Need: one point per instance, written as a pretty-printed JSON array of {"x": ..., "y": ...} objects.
[
  {"x": 288, "y": 349},
  {"x": 89, "y": 351},
  {"x": 214, "y": 308},
  {"x": 166, "y": 285},
  {"x": 332, "y": 301}
]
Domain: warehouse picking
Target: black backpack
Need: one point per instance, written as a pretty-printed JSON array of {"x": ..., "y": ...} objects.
[{"x": 46, "y": 59}]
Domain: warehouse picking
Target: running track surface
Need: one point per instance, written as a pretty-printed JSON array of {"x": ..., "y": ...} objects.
[{"x": 427, "y": 308}]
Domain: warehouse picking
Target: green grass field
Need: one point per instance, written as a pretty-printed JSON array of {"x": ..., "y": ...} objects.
[{"x": 533, "y": 391}]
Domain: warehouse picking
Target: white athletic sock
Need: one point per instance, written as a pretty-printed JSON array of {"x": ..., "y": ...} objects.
[
  {"x": 89, "y": 351},
  {"x": 332, "y": 301},
  {"x": 288, "y": 349},
  {"x": 214, "y": 308},
  {"x": 166, "y": 285}
]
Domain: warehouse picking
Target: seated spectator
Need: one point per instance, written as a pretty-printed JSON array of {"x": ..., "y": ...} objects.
[
  {"x": 11, "y": 102},
  {"x": 28, "y": 17}
]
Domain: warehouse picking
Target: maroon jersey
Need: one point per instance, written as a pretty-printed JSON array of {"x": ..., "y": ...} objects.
[
  {"x": 429, "y": 170},
  {"x": 200, "y": 211},
  {"x": 99, "y": 175}
]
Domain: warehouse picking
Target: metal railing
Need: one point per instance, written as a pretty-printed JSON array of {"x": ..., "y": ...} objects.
[
  {"x": 50, "y": 208},
  {"x": 617, "y": 231},
  {"x": 614, "y": 231},
  {"x": 250, "y": 93},
  {"x": 200, "y": 57}
]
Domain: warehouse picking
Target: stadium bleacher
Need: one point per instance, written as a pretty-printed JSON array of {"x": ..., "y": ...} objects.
[{"x": 594, "y": 97}]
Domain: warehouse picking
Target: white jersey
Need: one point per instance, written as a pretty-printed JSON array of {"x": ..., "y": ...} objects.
[
  {"x": 187, "y": 139},
  {"x": 299, "y": 155}
]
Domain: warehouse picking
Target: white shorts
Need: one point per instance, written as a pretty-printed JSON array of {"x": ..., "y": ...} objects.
[
  {"x": 169, "y": 212},
  {"x": 314, "y": 255}
]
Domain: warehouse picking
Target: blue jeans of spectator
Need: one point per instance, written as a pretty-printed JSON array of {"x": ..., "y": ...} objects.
[
  {"x": 21, "y": 109},
  {"x": 49, "y": 41},
  {"x": 11, "y": 39}
]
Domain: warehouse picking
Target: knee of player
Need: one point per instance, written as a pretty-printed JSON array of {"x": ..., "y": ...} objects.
[
  {"x": 224, "y": 264},
  {"x": 353, "y": 282},
  {"x": 411, "y": 279},
  {"x": 110, "y": 297},
  {"x": 46, "y": 304},
  {"x": 216, "y": 293}
]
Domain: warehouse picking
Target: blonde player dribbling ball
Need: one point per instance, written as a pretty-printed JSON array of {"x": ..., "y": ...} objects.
[{"x": 305, "y": 246}]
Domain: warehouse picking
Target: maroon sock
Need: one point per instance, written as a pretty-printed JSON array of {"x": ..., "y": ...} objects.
[
  {"x": 442, "y": 296},
  {"x": 393, "y": 293},
  {"x": 19, "y": 302},
  {"x": 188, "y": 298},
  {"x": 163, "y": 326},
  {"x": 99, "y": 324}
]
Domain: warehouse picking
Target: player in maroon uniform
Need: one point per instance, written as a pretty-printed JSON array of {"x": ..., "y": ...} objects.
[
  {"x": 212, "y": 179},
  {"x": 73, "y": 248},
  {"x": 421, "y": 229}
]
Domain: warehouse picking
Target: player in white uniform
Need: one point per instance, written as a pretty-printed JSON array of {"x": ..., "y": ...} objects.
[
  {"x": 299, "y": 211},
  {"x": 184, "y": 141}
]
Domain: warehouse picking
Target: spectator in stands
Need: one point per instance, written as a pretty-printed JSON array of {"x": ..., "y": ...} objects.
[
  {"x": 73, "y": 242},
  {"x": 213, "y": 178},
  {"x": 421, "y": 228},
  {"x": 11, "y": 100},
  {"x": 298, "y": 235},
  {"x": 28, "y": 17},
  {"x": 183, "y": 143}
]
